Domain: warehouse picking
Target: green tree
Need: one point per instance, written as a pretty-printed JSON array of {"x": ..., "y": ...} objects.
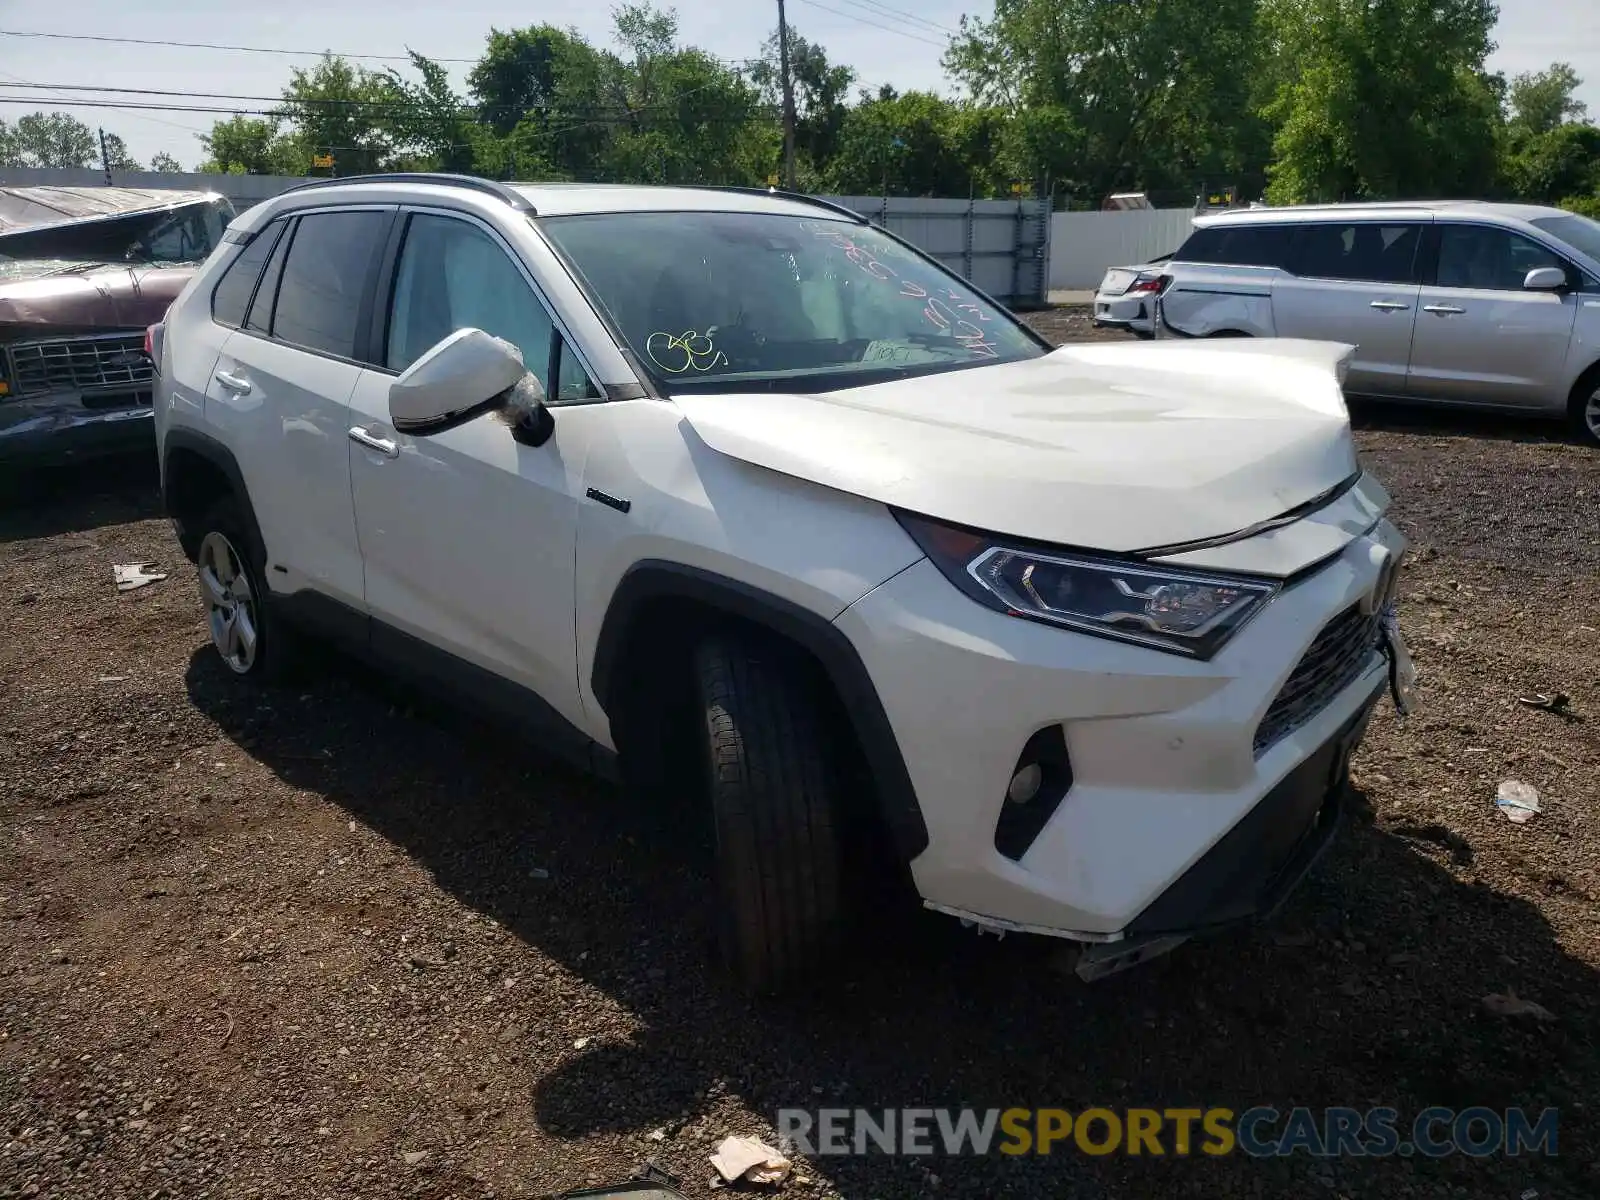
[
  {"x": 336, "y": 108},
  {"x": 1380, "y": 99},
  {"x": 116, "y": 155},
  {"x": 1539, "y": 101},
  {"x": 429, "y": 125},
  {"x": 164, "y": 162},
  {"x": 901, "y": 144},
  {"x": 251, "y": 146},
  {"x": 821, "y": 100},
  {"x": 53, "y": 140},
  {"x": 539, "y": 92},
  {"x": 1118, "y": 95}
]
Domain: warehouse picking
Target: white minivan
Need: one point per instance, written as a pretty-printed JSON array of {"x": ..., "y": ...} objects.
[{"x": 1493, "y": 306}]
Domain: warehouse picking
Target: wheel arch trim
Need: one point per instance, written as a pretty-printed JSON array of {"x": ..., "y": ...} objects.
[{"x": 652, "y": 580}]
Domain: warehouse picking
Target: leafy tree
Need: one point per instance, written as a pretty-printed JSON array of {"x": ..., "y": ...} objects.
[
  {"x": 429, "y": 124},
  {"x": 164, "y": 162},
  {"x": 1561, "y": 162},
  {"x": 901, "y": 144},
  {"x": 1541, "y": 100},
  {"x": 339, "y": 109},
  {"x": 518, "y": 73},
  {"x": 821, "y": 100},
  {"x": 116, "y": 155},
  {"x": 251, "y": 146},
  {"x": 53, "y": 140},
  {"x": 1381, "y": 98},
  {"x": 1115, "y": 95}
]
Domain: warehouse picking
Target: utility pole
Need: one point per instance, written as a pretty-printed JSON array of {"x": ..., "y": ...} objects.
[
  {"x": 105, "y": 158},
  {"x": 788, "y": 99}
]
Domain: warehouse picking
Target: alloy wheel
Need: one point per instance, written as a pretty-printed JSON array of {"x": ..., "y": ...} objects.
[
  {"x": 230, "y": 603},
  {"x": 1591, "y": 414}
]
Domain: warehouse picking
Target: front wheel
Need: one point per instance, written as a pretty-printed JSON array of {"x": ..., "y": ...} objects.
[
  {"x": 1585, "y": 409},
  {"x": 773, "y": 784}
]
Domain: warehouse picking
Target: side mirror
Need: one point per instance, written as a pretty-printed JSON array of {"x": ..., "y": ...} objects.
[
  {"x": 1545, "y": 279},
  {"x": 465, "y": 375}
]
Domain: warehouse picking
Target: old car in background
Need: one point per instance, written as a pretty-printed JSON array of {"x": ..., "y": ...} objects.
[{"x": 83, "y": 272}]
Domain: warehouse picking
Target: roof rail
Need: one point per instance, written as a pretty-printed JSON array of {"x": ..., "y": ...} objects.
[
  {"x": 441, "y": 178},
  {"x": 797, "y": 197}
]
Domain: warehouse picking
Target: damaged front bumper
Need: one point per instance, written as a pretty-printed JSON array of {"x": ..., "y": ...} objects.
[{"x": 67, "y": 426}]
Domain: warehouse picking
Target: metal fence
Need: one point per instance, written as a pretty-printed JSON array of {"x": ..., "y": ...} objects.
[
  {"x": 1084, "y": 244},
  {"x": 1002, "y": 246}
]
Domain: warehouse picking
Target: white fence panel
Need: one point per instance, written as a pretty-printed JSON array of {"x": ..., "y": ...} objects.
[{"x": 1084, "y": 244}]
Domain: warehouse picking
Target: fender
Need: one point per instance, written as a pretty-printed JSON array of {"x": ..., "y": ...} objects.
[
  {"x": 651, "y": 580},
  {"x": 219, "y": 456}
]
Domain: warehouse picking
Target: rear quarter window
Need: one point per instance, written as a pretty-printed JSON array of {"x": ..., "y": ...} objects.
[
  {"x": 1242, "y": 246},
  {"x": 238, "y": 282}
]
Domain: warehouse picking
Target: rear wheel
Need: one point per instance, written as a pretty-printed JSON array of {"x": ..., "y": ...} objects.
[
  {"x": 1584, "y": 410},
  {"x": 233, "y": 588},
  {"x": 774, "y": 786}
]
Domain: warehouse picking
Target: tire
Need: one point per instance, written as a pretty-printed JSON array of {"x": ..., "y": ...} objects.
[
  {"x": 773, "y": 789},
  {"x": 1583, "y": 411},
  {"x": 245, "y": 633}
]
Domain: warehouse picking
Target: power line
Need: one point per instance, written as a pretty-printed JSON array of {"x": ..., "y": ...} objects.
[
  {"x": 737, "y": 63},
  {"x": 18, "y": 81},
  {"x": 839, "y": 12},
  {"x": 131, "y": 41},
  {"x": 877, "y": 8},
  {"x": 615, "y": 116}
]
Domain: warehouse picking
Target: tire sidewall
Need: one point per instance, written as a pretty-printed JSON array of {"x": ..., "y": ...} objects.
[{"x": 226, "y": 519}]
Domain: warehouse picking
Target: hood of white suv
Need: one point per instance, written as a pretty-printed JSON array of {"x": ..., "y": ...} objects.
[{"x": 1110, "y": 447}]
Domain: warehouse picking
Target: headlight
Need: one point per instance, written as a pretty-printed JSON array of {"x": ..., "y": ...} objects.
[{"x": 1183, "y": 612}]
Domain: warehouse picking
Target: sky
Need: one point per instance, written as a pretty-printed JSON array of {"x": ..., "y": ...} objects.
[{"x": 883, "y": 47}]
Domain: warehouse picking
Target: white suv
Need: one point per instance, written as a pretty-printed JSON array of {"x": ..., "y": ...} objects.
[{"x": 741, "y": 498}]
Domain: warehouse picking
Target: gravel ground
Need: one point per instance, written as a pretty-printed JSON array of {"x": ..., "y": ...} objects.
[{"x": 311, "y": 942}]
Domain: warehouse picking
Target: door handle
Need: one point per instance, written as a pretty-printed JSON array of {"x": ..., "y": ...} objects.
[
  {"x": 1390, "y": 305},
  {"x": 382, "y": 445},
  {"x": 1446, "y": 309},
  {"x": 234, "y": 383}
]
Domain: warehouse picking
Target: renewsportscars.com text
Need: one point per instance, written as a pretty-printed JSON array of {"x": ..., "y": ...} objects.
[{"x": 1260, "y": 1132}]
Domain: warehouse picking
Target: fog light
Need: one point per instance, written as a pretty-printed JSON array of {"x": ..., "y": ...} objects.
[
  {"x": 1025, "y": 784},
  {"x": 1039, "y": 781}
]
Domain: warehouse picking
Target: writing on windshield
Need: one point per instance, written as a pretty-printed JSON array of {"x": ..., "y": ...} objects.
[{"x": 951, "y": 312}]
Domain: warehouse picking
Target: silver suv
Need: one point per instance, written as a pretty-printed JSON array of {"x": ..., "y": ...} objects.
[{"x": 1494, "y": 306}]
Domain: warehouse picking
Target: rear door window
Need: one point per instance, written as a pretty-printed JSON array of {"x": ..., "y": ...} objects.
[
  {"x": 324, "y": 280},
  {"x": 1367, "y": 251},
  {"x": 233, "y": 291}
]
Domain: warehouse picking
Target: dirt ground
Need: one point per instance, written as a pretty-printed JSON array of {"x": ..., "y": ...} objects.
[{"x": 312, "y": 943}]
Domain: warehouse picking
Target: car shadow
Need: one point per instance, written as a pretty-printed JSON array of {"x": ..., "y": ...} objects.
[
  {"x": 1393, "y": 417},
  {"x": 77, "y": 497},
  {"x": 1368, "y": 990}
]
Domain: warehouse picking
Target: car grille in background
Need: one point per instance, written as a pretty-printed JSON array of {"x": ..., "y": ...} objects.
[
  {"x": 1332, "y": 663},
  {"x": 80, "y": 364}
]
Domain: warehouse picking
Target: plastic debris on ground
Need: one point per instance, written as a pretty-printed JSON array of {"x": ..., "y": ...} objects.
[
  {"x": 1513, "y": 1005},
  {"x": 130, "y": 576},
  {"x": 1518, "y": 800},
  {"x": 751, "y": 1160}
]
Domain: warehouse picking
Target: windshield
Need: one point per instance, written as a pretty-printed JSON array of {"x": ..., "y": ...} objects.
[
  {"x": 1580, "y": 233},
  {"x": 176, "y": 236},
  {"x": 735, "y": 301}
]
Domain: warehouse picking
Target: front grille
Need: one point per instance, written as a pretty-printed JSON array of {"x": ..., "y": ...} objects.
[
  {"x": 1332, "y": 663},
  {"x": 83, "y": 364}
]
